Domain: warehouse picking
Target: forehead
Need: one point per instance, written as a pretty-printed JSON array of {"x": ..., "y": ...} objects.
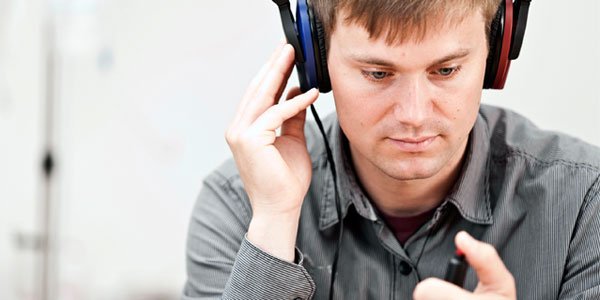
[
  {"x": 352, "y": 39},
  {"x": 400, "y": 26},
  {"x": 393, "y": 34}
]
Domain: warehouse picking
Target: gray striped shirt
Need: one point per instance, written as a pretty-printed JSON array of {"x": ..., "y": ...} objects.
[{"x": 544, "y": 188}]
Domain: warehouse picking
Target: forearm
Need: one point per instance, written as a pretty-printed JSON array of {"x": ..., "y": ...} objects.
[{"x": 222, "y": 263}]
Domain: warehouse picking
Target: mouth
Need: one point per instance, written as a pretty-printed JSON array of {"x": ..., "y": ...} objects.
[{"x": 413, "y": 145}]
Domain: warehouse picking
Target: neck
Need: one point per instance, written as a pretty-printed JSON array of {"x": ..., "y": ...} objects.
[{"x": 405, "y": 198}]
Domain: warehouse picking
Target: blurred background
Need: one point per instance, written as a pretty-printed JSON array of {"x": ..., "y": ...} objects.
[{"x": 133, "y": 97}]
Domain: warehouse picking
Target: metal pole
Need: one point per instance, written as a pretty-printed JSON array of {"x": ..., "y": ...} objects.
[{"x": 47, "y": 211}]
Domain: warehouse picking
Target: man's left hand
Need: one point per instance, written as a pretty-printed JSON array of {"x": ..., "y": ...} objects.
[{"x": 495, "y": 281}]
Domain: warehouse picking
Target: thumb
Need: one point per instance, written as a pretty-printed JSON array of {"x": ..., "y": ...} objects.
[
  {"x": 294, "y": 126},
  {"x": 484, "y": 259},
  {"x": 437, "y": 289}
]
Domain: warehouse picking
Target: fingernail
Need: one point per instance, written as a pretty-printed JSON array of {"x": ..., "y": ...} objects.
[
  {"x": 281, "y": 45},
  {"x": 464, "y": 237},
  {"x": 283, "y": 50}
]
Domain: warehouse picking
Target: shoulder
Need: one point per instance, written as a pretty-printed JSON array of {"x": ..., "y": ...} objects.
[
  {"x": 546, "y": 175},
  {"x": 224, "y": 176},
  {"x": 223, "y": 191},
  {"x": 513, "y": 135}
]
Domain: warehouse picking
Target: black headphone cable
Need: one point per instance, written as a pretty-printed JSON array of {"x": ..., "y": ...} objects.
[{"x": 337, "y": 200}]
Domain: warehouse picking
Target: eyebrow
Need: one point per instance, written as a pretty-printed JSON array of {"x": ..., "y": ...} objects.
[
  {"x": 460, "y": 53},
  {"x": 452, "y": 56}
]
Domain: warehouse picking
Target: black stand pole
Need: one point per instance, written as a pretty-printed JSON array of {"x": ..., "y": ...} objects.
[{"x": 47, "y": 209}]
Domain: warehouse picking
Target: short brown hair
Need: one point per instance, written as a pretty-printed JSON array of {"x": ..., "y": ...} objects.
[{"x": 399, "y": 20}]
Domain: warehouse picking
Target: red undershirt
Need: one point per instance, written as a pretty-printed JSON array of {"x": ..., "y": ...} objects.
[{"x": 403, "y": 228}]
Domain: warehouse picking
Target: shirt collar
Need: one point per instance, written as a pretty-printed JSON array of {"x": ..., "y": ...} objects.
[
  {"x": 350, "y": 192},
  {"x": 470, "y": 194}
]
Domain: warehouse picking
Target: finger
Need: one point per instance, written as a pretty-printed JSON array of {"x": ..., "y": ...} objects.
[
  {"x": 258, "y": 78},
  {"x": 269, "y": 87},
  {"x": 294, "y": 126},
  {"x": 486, "y": 262},
  {"x": 293, "y": 92},
  {"x": 256, "y": 82},
  {"x": 274, "y": 117},
  {"x": 434, "y": 288},
  {"x": 284, "y": 85}
]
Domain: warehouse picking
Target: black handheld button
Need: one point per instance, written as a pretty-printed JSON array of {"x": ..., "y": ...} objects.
[{"x": 457, "y": 269}]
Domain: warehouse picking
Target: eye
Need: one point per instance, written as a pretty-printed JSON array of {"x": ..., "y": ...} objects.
[
  {"x": 379, "y": 75},
  {"x": 375, "y": 75},
  {"x": 447, "y": 72}
]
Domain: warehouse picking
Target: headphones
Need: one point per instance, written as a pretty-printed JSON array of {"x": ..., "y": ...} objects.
[{"x": 307, "y": 36}]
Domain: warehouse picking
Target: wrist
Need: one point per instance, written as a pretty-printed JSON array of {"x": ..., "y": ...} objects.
[{"x": 275, "y": 233}]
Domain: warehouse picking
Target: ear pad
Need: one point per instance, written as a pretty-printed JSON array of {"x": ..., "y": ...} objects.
[
  {"x": 495, "y": 45},
  {"x": 318, "y": 34},
  {"x": 498, "y": 62},
  {"x": 307, "y": 71}
]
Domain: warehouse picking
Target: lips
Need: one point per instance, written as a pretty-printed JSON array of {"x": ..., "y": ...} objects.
[{"x": 418, "y": 144}]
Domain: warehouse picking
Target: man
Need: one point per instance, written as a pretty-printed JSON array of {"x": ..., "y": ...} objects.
[{"x": 418, "y": 161}]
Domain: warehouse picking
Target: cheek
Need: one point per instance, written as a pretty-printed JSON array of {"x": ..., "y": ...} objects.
[
  {"x": 460, "y": 103},
  {"x": 356, "y": 108},
  {"x": 462, "y": 110},
  {"x": 348, "y": 107},
  {"x": 358, "y": 120}
]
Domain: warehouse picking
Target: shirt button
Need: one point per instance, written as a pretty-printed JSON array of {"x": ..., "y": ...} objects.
[{"x": 404, "y": 268}]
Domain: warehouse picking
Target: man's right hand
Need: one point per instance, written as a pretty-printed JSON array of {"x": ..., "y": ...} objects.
[{"x": 276, "y": 170}]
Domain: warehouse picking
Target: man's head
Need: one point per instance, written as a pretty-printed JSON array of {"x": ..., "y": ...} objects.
[{"x": 407, "y": 77}]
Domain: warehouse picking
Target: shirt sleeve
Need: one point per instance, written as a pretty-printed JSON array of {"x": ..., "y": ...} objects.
[
  {"x": 581, "y": 279},
  {"x": 222, "y": 264}
]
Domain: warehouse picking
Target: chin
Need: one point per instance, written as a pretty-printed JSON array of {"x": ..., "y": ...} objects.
[{"x": 411, "y": 169}]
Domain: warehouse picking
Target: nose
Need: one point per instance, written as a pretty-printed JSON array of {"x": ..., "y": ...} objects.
[{"x": 411, "y": 103}]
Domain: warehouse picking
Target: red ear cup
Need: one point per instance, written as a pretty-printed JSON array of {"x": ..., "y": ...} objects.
[
  {"x": 504, "y": 61},
  {"x": 495, "y": 47},
  {"x": 498, "y": 61}
]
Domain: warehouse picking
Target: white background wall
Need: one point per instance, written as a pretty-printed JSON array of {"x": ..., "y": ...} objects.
[{"x": 146, "y": 89}]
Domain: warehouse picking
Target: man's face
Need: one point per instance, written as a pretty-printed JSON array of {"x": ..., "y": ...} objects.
[{"x": 407, "y": 109}]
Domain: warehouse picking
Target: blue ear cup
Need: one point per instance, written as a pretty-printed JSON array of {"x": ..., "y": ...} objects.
[
  {"x": 312, "y": 42},
  {"x": 320, "y": 52},
  {"x": 305, "y": 37}
]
